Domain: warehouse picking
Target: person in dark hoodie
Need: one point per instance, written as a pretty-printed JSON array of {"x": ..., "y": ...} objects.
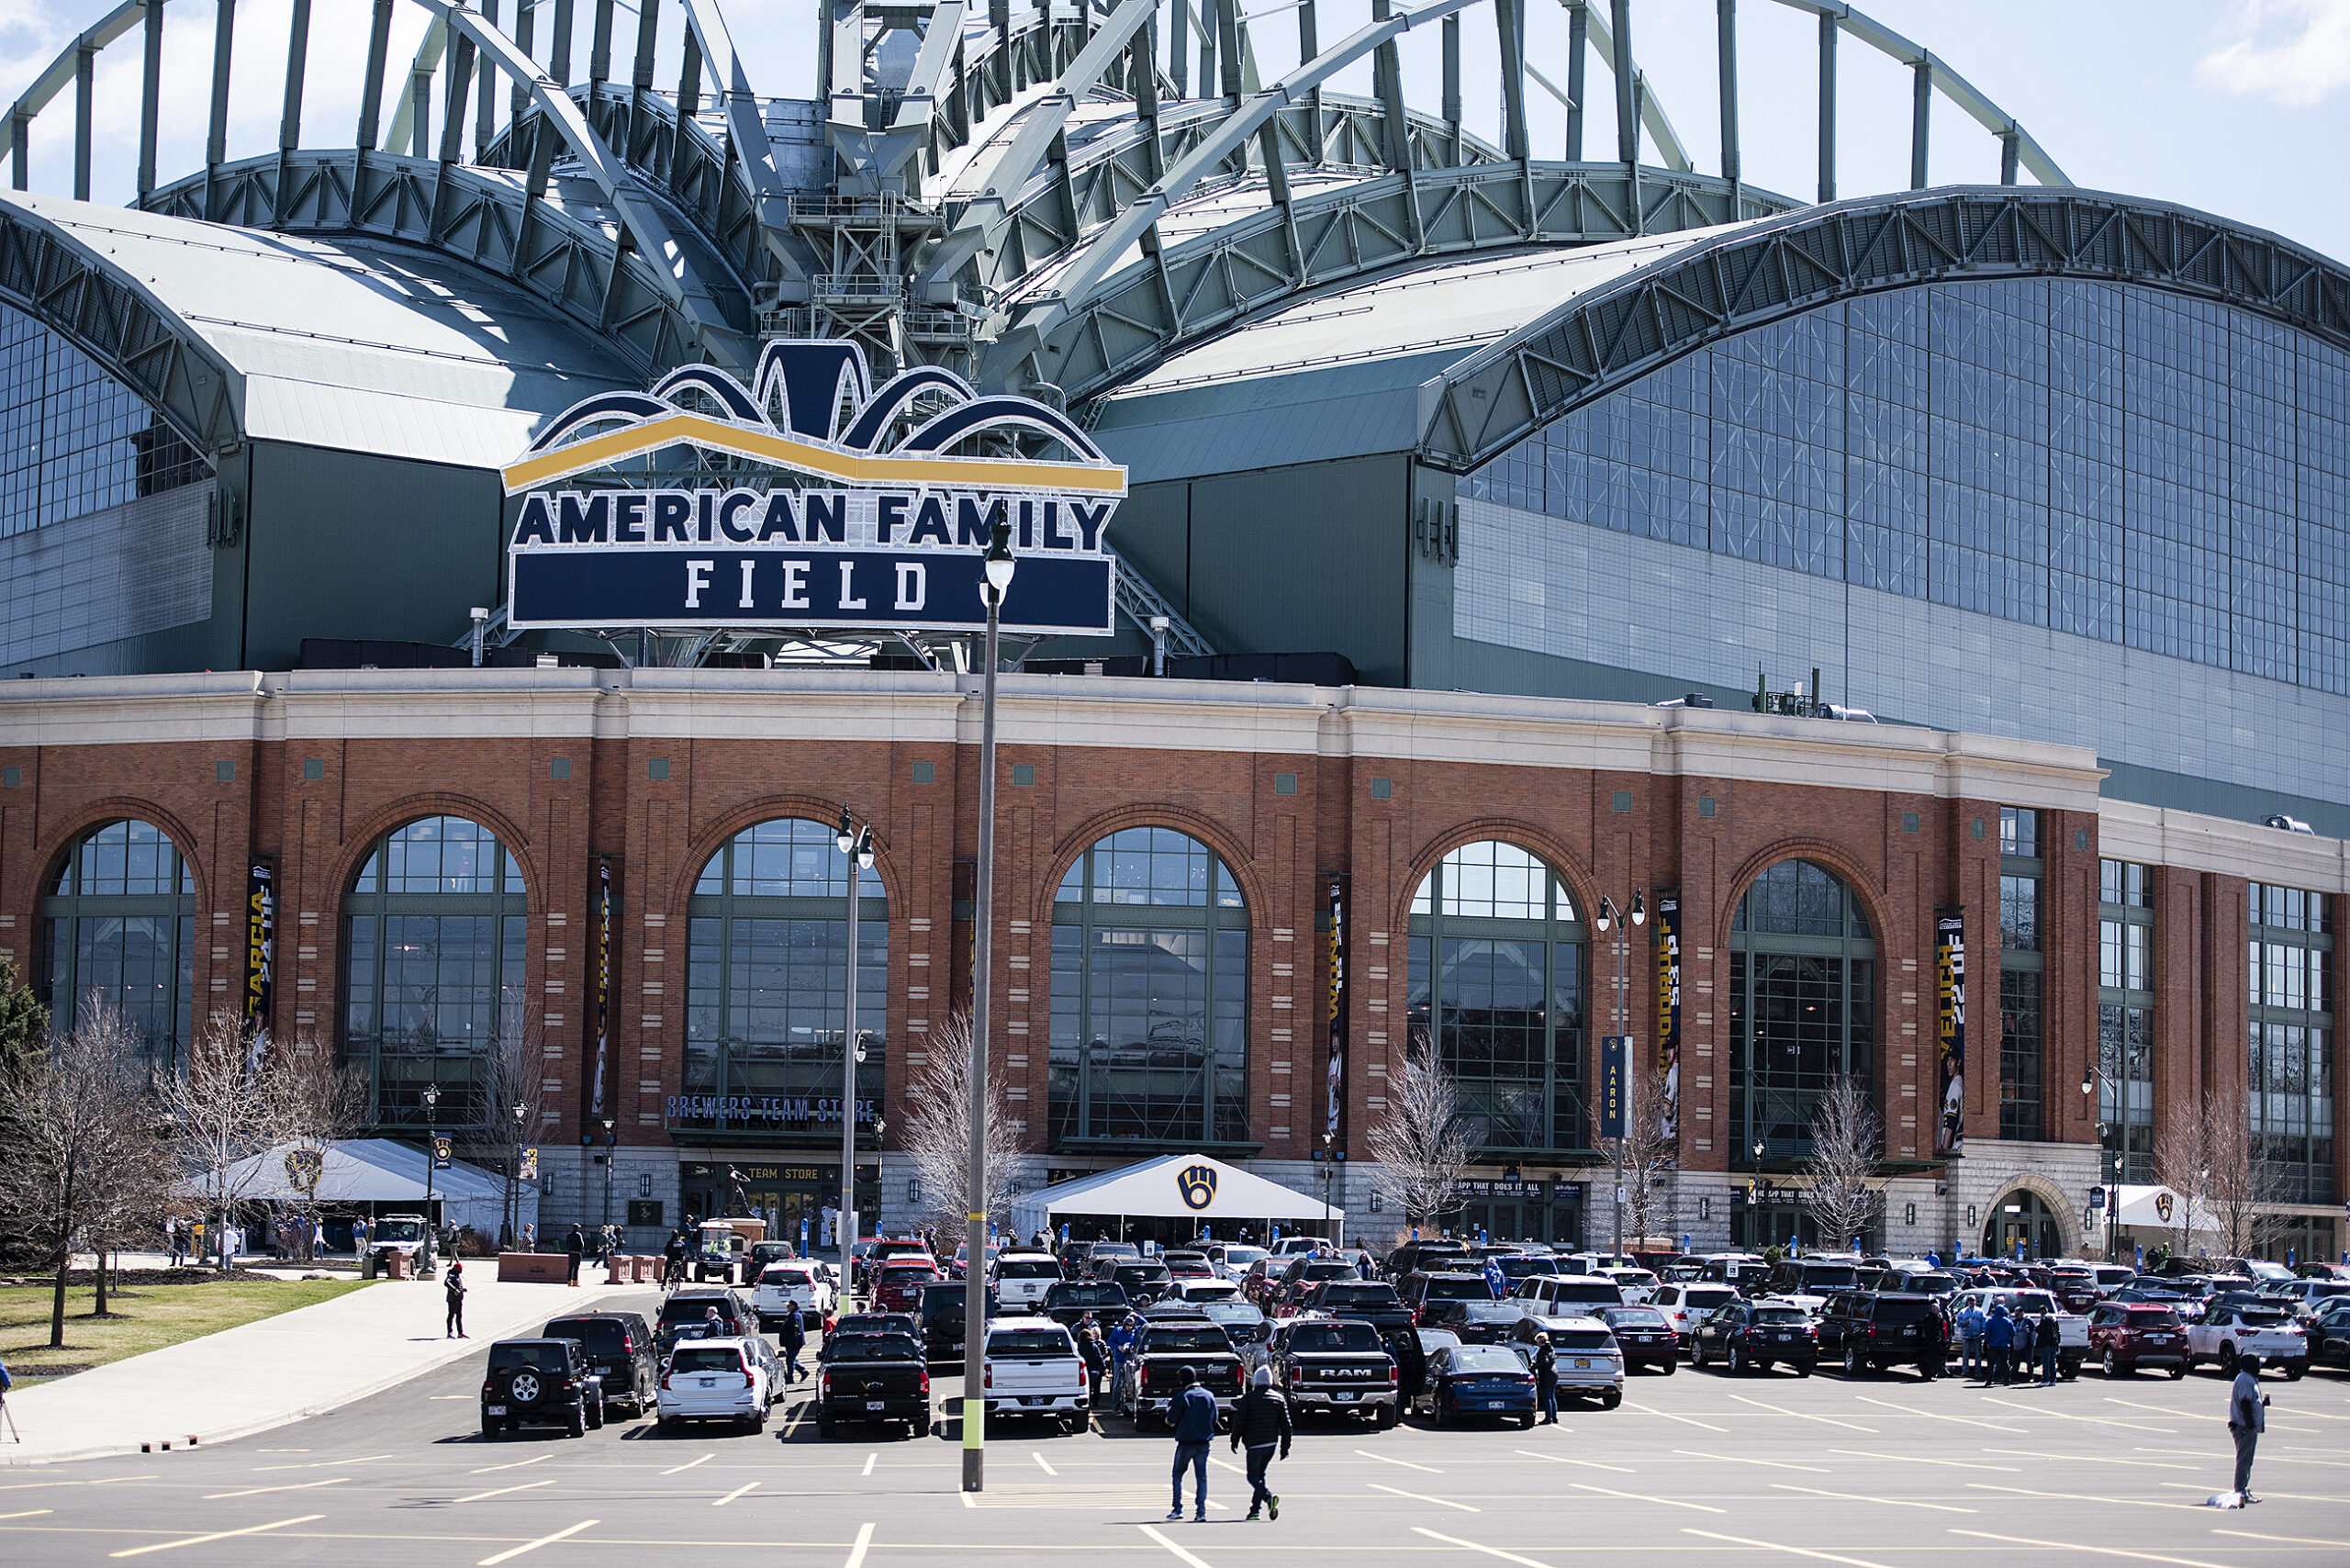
[
  {"x": 1193, "y": 1417},
  {"x": 1261, "y": 1424}
]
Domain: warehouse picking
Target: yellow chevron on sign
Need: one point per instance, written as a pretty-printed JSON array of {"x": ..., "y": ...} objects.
[{"x": 808, "y": 456}]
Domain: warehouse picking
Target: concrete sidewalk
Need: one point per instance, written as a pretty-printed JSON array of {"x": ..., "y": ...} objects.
[{"x": 260, "y": 1375}]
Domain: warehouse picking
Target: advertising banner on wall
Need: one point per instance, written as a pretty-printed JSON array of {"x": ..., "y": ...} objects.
[
  {"x": 810, "y": 499},
  {"x": 1668, "y": 1011},
  {"x": 603, "y": 976},
  {"x": 261, "y": 958},
  {"x": 1338, "y": 1076},
  {"x": 1950, "y": 1027}
]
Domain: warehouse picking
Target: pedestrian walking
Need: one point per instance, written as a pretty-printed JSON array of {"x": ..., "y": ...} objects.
[
  {"x": 453, "y": 1292},
  {"x": 1999, "y": 1340},
  {"x": 1411, "y": 1365},
  {"x": 1192, "y": 1414},
  {"x": 2247, "y": 1419},
  {"x": 574, "y": 1246},
  {"x": 176, "y": 1239},
  {"x": 1122, "y": 1343},
  {"x": 1096, "y": 1355},
  {"x": 674, "y": 1273},
  {"x": 1969, "y": 1333},
  {"x": 359, "y": 1236},
  {"x": 793, "y": 1338},
  {"x": 2046, "y": 1337},
  {"x": 1260, "y": 1423},
  {"x": 1546, "y": 1379},
  {"x": 530, "y": 1238}
]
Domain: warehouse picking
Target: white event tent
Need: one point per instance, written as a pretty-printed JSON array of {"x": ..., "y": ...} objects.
[
  {"x": 1172, "y": 1186},
  {"x": 390, "y": 1176},
  {"x": 2160, "y": 1208}
]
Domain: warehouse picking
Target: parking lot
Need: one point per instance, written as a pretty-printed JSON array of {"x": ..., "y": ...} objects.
[{"x": 1698, "y": 1466}]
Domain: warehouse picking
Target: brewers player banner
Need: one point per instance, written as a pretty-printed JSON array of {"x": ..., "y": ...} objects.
[
  {"x": 1950, "y": 1027},
  {"x": 1668, "y": 1012},
  {"x": 1338, "y": 1083},
  {"x": 261, "y": 958},
  {"x": 810, "y": 499}
]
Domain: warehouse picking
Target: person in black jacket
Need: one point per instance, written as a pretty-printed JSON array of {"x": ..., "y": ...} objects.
[
  {"x": 574, "y": 1246},
  {"x": 452, "y": 1291},
  {"x": 793, "y": 1339},
  {"x": 1097, "y": 1359},
  {"x": 1260, "y": 1423},
  {"x": 1412, "y": 1366},
  {"x": 2048, "y": 1339},
  {"x": 1546, "y": 1379}
]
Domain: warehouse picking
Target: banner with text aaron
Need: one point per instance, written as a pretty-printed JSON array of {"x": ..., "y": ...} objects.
[{"x": 809, "y": 499}]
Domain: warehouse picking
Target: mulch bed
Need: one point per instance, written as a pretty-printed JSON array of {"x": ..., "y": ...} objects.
[{"x": 87, "y": 1279}]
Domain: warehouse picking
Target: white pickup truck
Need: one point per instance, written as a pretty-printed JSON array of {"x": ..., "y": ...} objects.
[
  {"x": 2030, "y": 1306},
  {"x": 1033, "y": 1369}
]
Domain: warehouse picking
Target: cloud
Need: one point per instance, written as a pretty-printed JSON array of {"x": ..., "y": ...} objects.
[{"x": 2294, "y": 51}]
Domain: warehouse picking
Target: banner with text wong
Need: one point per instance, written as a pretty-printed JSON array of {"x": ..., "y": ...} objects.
[{"x": 810, "y": 499}]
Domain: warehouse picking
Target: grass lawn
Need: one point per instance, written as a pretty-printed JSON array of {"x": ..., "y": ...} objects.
[{"x": 141, "y": 1318}]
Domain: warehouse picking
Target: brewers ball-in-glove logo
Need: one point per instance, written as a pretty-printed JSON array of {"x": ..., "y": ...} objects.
[
  {"x": 2162, "y": 1206},
  {"x": 1197, "y": 1183}
]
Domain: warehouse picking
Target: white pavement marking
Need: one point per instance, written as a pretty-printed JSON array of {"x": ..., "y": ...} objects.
[
  {"x": 1644, "y": 1497},
  {"x": 1774, "y": 1546},
  {"x": 1407, "y": 1463},
  {"x": 857, "y": 1552},
  {"x": 2091, "y": 1420},
  {"x": 1585, "y": 1463},
  {"x": 1418, "y": 1497},
  {"x": 2162, "y": 1410},
  {"x": 968, "y": 1501},
  {"x": 1684, "y": 1421},
  {"x": 1472, "y": 1546},
  {"x": 1040, "y": 1458},
  {"x": 216, "y": 1535},
  {"x": 689, "y": 1464},
  {"x": 746, "y": 1486},
  {"x": 1152, "y": 1532},
  {"x": 503, "y": 1492},
  {"x": 1917, "y": 1459},
  {"x": 869, "y": 1463},
  {"x": 2264, "y": 1494},
  {"x": 2100, "y": 1551},
  {"x": 321, "y": 1463},
  {"x": 493, "y": 1562},
  {"x": 518, "y": 1464},
  {"x": 1824, "y": 1420},
  {"x": 1739, "y": 1459},
  {"x": 2288, "y": 1540},
  {"x": 1226, "y": 1465},
  {"x": 27, "y": 1514},
  {"x": 2093, "y": 1459},
  {"x": 1856, "y": 1497},
  {"x": 2075, "y": 1496},
  {"x": 289, "y": 1486},
  {"x": 1934, "y": 1416}
]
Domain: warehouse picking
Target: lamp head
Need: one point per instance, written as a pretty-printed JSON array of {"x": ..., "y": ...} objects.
[
  {"x": 844, "y": 836},
  {"x": 998, "y": 565},
  {"x": 1639, "y": 908},
  {"x": 865, "y": 848},
  {"x": 431, "y": 1095},
  {"x": 1606, "y": 918}
]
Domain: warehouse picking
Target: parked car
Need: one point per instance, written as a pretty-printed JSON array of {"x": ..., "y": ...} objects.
[
  {"x": 1755, "y": 1335},
  {"x": 1242, "y": 1322},
  {"x": 1644, "y": 1336},
  {"x": 941, "y": 1314},
  {"x": 1070, "y": 1302},
  {"x": 1590, "y": 1363},
  {"x": 1809, "y": 1281},
  {"x": 1033, "y": 1369},
  {"x": 1101, "y": 1257},
  {"x": 1019, "y": 1280},
  {"x": 1144, "y": 1280},
  {"x": 689, "y": 1309},
  {"x": 540, "y": 1382},
  {"x": 1199, "y": 1291},
  {"x": 898, "y": 1284},
  {"x": 714, "y": 1379},
  {"x": 1167, "y": 1344},
  {"x": 1486, "y": 1322},
  {"x": 1566, "y": 1295},
  {"x": 864, "y": 1378},
  {"x": 1684, "y": 1303},
  {"x": 807, "y": 1283},
  {"x": 619, "y": 1349},
  {"x": 1299, "y": 1279},
  {"x": 1420, "y": 1291},
  {"x": 1364, "y": 1301},
  {"x": 1871, "y": 1331},
  {"x": 1428, "y": 1257},
  {"x": 2306, "y": 1298},
  {"x": 2329, "y": 1338},
  {"x": 2125, "y": 1336},
  {"x": 1231, "y": 1259},
  {"x": 1288, "y": 1247},
  {"x": 887, "y": 1250},
  {"x": 1746, "y": 1273},
  {"x": 1335, "y": 1367},
  {"x": 1637, "y": 1285},
  {"x": 771, "y": 1367},
  {"x": 1188, "y": 1264},
  {"x": 2224, "y": 1332},
  {"x": 1466, "y": 1381}
]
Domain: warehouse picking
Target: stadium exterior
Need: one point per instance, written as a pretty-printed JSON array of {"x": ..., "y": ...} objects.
[{"x": 1446, "y": 464}]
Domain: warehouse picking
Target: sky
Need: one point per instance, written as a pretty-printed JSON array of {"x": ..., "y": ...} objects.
[{"x": 2235, "y": 107}]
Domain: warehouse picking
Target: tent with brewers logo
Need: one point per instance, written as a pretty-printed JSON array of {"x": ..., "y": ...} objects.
[{"x": 1172, "y": 1186}]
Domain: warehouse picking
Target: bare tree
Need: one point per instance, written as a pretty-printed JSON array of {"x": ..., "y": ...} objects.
[
  {"x": 233, "y": 1103},
  {"x": 1649, "y": 1152},
  {"x": 82, "y": 1165},
  {"x": 1419, "y": 1144},
  {"x": 1843, "y": 1162},
  {"x": 514, "y": 1081},
  {"x": 2210, "y": 1156},
  {"x": 938, "y": 1129}
]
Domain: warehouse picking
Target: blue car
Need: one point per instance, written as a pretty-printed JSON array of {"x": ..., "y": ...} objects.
[{"x": 1473, "y": 1381}]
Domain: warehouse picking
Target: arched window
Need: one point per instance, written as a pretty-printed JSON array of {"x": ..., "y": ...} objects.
[
  {"x": 1150, "y": 995},
  {"x": 1802, "y": 1006},
  {"x": 767, "y": 959},
  {"x": 120, "y": 923},
  {"x": 434, "y": 933},
  {"x": 1497, "y": 986},
  {"x": 2021, "y": 1225}
]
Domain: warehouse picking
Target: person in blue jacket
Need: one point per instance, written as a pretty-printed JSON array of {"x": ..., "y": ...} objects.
[
  {"x": 1194, "y": 1416},
  {"x": 1999, "y": 1340}
]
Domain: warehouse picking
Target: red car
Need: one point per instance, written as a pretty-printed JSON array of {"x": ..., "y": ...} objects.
[
  {"x": 898, "y": 1287},
  {"x": 2125, "y": 1336}
]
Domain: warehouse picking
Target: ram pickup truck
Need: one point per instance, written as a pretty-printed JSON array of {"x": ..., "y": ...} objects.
[
  {"x": 1154, "y": 1373},
  {"x": 1334, "y": 1366},
  {"x": 1359, "y": 1301},
  {"x": 871, "y": 1378},
  {"x": 1033, "y": 1369}
]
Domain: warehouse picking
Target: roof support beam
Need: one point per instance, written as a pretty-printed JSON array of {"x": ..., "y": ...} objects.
[
  {"x": 1509, "y": 21},
  {"x": 371, "y": 90},
  {"x": 1628, "y": 118},
  {"x": 84, "y": 114},
  {"x": 1578, "y": 45},
  {"x": 151, "y": 99},
  {"x": 1827, "y": 107},
  {"x": 1726, "y": 21},
  {"x": 1922, "y": 110},
  {"x": 224, "y": 32},
  {"x": 298, "y": 56}
]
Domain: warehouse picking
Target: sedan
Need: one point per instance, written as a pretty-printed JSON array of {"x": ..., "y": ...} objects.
[
  {"x": 1466, "y": 1381},
  {"x": 1645, "y": 1336},
  {"x": 1751, "y": 1336}
]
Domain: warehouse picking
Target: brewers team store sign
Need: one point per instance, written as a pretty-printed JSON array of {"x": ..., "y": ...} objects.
[{"x": 849, "y": 511}]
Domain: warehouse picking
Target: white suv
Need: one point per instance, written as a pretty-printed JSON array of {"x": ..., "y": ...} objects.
[
  {"x": 1019, "y": 1280},
  {"x": 714, "y": 1379},
  {"x": 808, "y": 1283}
]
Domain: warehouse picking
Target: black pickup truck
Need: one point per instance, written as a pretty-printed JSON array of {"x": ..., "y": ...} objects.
[
  {"x": 872, "y": 1378},
  {"x": 1334, "y": 1365},
  {"x": 1359, "y": 1301},
  {"x": 1070, "y": 1302},
  {"x": 1154, "y": 1374}
]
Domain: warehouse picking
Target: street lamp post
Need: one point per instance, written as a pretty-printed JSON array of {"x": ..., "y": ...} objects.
[
  {"x": 1609, "y": 917},
  {"x": 611, "y": 1141},
  {"x": 514, "y": 1176},
  {"x": 856, "y": 845},
  {"x": 998, "y": 568},
  {"x": 1322, "y": 1155},
  {"x": 431, "y": 1155}
]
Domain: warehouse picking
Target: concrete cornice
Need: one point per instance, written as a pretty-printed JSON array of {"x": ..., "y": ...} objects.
[{"x": 2128, "y": 831}]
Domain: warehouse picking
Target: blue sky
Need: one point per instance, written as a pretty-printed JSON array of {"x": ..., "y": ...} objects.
[{"x": 2240, "y": 108}]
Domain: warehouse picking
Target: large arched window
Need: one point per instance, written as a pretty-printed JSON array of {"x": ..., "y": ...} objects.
[
  {"x": 1802, "y": 1006},
  {"x": 434, "y": 934},
  {"x": 1497, "y": 986},
  {"x": 1150, "y": 995},
  {"x": 118, "y": 924},
  {"x": 767, "y": 961}
]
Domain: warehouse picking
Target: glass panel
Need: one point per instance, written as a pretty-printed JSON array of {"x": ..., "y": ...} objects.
[
  {"x": 73, "y": 440},
  {"x": 2021, "y": 1086}
]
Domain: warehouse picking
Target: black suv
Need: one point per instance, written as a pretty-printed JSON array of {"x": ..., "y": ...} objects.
[
  {"x": 941, "y": 1314},
  {"x": 540, "y": 1382},
  {"x": 687, "y": 1308},
  {"x": 1871, "y": 1330},
  {"x": 618, "y": 1348}
]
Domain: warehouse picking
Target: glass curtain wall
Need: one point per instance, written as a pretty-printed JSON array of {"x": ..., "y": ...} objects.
[
  {"x": 2023, "y": 1089},
  {"x": 118, "y": 930},
  {"x": 72, "y": 439},
  {"x": 1802, "y": 1007},
  {"x": 2125, "y": 1019},
  {"x": 2292, "y": 1039}
]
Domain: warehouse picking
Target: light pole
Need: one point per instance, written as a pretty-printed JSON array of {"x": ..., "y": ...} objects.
[
  {"x": 611, "y": 1141},
  {"x": 856, "y": 845},
  {"x": 431, "y": 1156},
  {"x": 999, "y": 569},
  {"x": 1322, "y": 1155},
  {"x": 2109, "y": 1160},
  {"x": 1609, "y": 917},
  {"x": 514, "y": 1176}
]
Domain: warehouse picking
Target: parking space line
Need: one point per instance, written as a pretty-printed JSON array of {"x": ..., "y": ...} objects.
[
  {"x": 1936, "y": 1416},
  {"x": 1684, "y": 1421},
  {"x": 1642, "y": 1498},
  {"x": 2162, "y": 1410},
  {"x": 1857, "y": 1497},
  {"x": 503, "y": 1492},
  {"x": 1407, "y": 1463},
  {"x": 746, "y": 1486},
  {"x": 216, "y": 1535},
  {"x": 2092, "y": 1459},
  {"x": 1585, "y": 1463},
  {"x": 1774, "y": 1546},
  {"x": 868, "y": 1463},
  {"x": 2265, "y": 1493},
  {"x": 510, "y": 1551},
  {"x": 318, "y": 1464},
  {"x": 1040, "y": 1458},
  {"x": 518, "y": 1464},
  {"x": 1472, "y": 1546},
  {"x": 2091, "y": 1420},
  {"x": 1920, "y": 1459},
  {"x": 2286, "y": 1540},
  {"x": 1417, "y": 1497},
  {"x": 27, "y": 1514},
  {"x": 1226, "y": 1465},
  {"x": 2100, "y": 1551},
  {"x": 289, "y": 1486},
  {"x": 676, "y": 1469},
  {"x": 1740, "y": 1459},
  {"x": 1826, "y": 1420},
  {"x": 857, "y": 1552},
  {"x": 1152, "y": 1532},
  {"x": 2076, "y": 1496}
]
